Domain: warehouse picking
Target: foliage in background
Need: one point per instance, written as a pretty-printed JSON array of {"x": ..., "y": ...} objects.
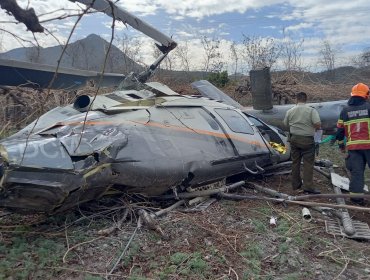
[{"x": 219, "y": 79}]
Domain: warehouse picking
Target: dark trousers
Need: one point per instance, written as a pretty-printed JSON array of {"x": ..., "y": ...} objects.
[
  {"x": 302, "y": 147},
  {"x": 356, "y": 162}
]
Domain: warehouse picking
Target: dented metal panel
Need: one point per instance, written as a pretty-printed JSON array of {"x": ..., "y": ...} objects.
[
  {"x": 180, "y": 142},
  {"x": 38, "y": 152},
  {"x": 142, "y": 138}
]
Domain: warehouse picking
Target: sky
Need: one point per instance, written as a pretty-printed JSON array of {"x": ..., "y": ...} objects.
[{"x": 344, "y": 24}]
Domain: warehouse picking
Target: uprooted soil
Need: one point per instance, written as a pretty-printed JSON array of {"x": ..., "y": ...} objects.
[{"x": 229, "y": 240}]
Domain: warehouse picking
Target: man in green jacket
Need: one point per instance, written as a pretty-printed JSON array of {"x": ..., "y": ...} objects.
[{"x": 302, "y": 121}]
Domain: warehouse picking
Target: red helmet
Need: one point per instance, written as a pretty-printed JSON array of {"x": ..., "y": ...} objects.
[{"x": 361, "y": 90}]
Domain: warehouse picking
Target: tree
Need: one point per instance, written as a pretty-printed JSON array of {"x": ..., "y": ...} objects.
[
  {"x": 291, "y": 53},
  {"x": 182, "y": 58},
  {"x": 157, "y": 53},
  {"x": 212, "y": 55},
  {"x": 219, "y": 79},
  {"x": 132, "y": 48},
  {"x": 260, "y": 52},
  {"x": 27, "y": 16},
  {"x": 366, "y": 57},
  {"x": 168, "y": 62},
  {"x": 182, "y": 54},
  {"x": 363, "y": 60},
  {"x": 235, "y": 56},
  {"x": 328, "y": 58}
]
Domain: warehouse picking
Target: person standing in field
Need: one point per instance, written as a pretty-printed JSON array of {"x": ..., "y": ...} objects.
[
  {"x": 302, "y": 121},
  {"x": 354, "y": 124}
]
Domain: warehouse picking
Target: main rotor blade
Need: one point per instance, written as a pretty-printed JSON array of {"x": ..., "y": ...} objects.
[
  {"x": 20, "y": 73},
  {"x": 106, "y": 7}
]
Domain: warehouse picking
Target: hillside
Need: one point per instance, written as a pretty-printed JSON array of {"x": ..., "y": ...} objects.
[{"x": 86, "y": 54}]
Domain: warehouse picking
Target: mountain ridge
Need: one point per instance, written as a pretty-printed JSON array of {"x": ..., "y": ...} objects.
[{"x": 85, "y": 54}]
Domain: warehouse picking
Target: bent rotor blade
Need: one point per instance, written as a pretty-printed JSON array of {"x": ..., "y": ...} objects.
[
  {"x": 20, "y": 73},
  {"x": 106, "y": 7}
]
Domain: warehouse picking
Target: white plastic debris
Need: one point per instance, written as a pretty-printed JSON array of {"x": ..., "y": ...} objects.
[
  {"x": 342, "y": 182},
  {"x": 306, "y": 214},
  {"x": 273, "y": 221}
]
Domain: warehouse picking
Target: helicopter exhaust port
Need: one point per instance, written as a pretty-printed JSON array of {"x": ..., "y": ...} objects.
[{"x": 82, "y": 103}]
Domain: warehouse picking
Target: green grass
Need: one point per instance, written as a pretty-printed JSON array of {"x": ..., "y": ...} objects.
[
  {"x": 259, "y": 225},
  {"x": 92, "y": 277},
  {"x": 197, "y": 264},
  {"x": 252, "y": 256},
  {"x": 25, "y": 258},
  {"x": 179, "y": 258},
  {"x": 133, "y": 251},
  {"x": 186, "y": 265},
  {"x": 283, "y": 227}
]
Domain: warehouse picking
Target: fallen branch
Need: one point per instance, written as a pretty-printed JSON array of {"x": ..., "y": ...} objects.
[
  {"x": 350, "y": 207},
  {"x": 308, "y": 196},
  {"x": 120, "y": 276},
  {"x": 1, "y": 133},
  {"x": 197, "y": 200},
  {"x": 77, "y": 245},
  {"x": 28, "y": 17},
  {"x": 117, "y": 225},
  {"x": 151, "y": 223},
  {"x": 282, "y": 200},
  {"x": 124, "y": 250},
  {"x": 322, "y": 172},
  {"x": 283, "y": 195},
  {"x": 169, "y": 209},
  {"x": 203, "y": 193}
]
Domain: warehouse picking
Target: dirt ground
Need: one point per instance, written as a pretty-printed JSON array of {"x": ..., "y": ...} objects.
[{"x": 229, "y": 240}]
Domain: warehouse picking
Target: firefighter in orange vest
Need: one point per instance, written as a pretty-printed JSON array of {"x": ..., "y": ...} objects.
[{"x": 354, "y": 124}]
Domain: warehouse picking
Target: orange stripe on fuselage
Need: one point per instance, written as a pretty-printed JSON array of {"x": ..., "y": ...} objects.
[{"x": 173, "y": 127}]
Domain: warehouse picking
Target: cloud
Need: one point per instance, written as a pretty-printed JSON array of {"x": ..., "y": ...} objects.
[
  {"x": 336, "y": 20},
  {"x": 200, "y": 9},
  {"x": 344, "y": 23},
  {"x": 270, "y": 27},
  {"x": 302, "y": 25}
]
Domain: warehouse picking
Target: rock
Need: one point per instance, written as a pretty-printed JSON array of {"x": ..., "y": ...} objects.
[{"x": 208, "y": 242}]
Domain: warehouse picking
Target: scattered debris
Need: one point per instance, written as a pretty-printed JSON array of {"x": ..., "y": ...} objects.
[
  {"x": 306, "y": 214},
  {"x": 116, "y": 226},
  {"x": 342, "y": 182},
  {"x": 202, "y": 206},
  {"x": 273, "y": 221},
  {"x": 361, "y": 230}
]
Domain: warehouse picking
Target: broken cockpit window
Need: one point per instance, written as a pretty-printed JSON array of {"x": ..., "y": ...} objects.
[{"x": 235, "y": 121}]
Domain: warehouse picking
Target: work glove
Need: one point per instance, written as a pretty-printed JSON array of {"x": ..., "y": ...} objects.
[{"x": 332, "y": 140}]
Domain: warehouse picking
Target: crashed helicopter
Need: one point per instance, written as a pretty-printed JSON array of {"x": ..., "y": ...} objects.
[{"x": 141, "y": 138}]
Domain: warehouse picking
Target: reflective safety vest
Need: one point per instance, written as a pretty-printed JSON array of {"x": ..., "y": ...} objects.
[{"x": 355, "y": 120}]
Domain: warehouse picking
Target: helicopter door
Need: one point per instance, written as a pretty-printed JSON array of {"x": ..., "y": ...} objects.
[
  {"x": 245, "y": 139},
  {"x": 270, "y": 134}
]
